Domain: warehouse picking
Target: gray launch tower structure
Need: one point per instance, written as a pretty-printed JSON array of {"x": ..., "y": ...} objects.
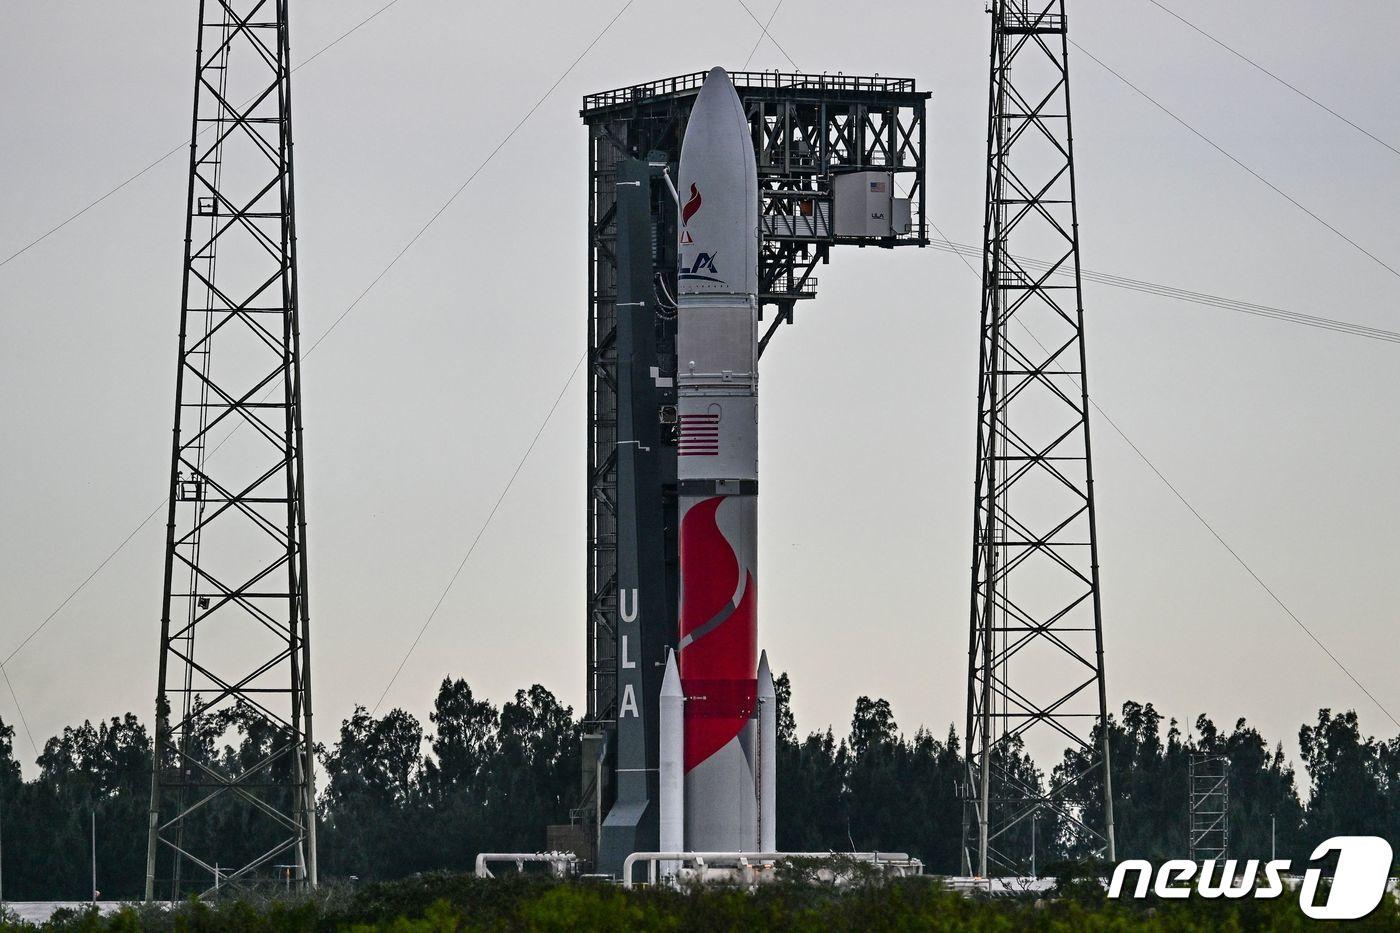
[{"x": 840, "y": 161}]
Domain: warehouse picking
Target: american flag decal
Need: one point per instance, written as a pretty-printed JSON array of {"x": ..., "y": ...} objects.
[
  {"x": 699, "y": 436},
  {"x": 877, "y": 187}
]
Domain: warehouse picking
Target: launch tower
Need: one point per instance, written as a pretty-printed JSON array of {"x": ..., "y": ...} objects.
[
  {"x": 1035, "y": 658},
  {"x": 234, "y": 661},
  {"x": 840, "y": 161}
]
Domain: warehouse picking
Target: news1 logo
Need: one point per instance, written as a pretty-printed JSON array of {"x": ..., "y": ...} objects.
[{"x": 1359, "y": 883}]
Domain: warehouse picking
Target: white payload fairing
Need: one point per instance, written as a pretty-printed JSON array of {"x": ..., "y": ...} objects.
[{"x": 725, "y": 799}]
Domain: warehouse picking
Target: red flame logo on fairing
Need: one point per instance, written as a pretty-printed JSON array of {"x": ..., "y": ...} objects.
[{"x": 692, "y": 205}]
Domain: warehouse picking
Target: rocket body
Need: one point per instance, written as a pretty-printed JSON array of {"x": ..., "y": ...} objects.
[{"x": 717, "y": 387}]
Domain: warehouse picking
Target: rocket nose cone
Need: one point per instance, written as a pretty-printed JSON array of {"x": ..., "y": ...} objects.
[
  {"x": 671, "y": 680},
  {"x": 718, "y": 183},
  {"x": 717, "y": 90},
  {"x": 718, "y": 76}
]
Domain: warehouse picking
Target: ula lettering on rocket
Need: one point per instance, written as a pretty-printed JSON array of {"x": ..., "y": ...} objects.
[{"x": 718, "y": 707}]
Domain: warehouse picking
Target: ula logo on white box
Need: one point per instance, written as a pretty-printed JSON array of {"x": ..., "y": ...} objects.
[{"x": 1363, "y": 868}]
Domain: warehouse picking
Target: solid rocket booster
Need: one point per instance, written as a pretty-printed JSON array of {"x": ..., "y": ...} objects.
[
  {"x": 717, "y": 355},
  {"x": 671, "y": 761},
  {"x": 767, "y": 758}
]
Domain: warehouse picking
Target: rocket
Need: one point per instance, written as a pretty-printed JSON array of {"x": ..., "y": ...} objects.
[{"x": 718, "y": 708}]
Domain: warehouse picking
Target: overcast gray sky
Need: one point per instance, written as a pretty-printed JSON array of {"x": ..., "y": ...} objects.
[{"x": 420, "y": 404}]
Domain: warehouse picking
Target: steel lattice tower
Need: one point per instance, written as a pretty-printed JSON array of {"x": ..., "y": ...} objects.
[
  {"x": 234, "y": 656},
  {"x": 1208, "y": 785},
  {"x": 1035, "y": 660}
]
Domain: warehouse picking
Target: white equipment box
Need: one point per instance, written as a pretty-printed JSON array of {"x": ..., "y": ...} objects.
[{"x": 866, "y": 206}]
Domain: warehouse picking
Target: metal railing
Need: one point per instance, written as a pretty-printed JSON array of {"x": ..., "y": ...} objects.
[
  {"x": 1025, "y": 21},
  {"x": 775, "y": 80},
  {"x": 791, "y": 286}
]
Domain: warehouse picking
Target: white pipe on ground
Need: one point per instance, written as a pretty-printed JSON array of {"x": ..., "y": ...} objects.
[
  {"x": 560, "y": 863},
  {"x": 899, "y": 862}
]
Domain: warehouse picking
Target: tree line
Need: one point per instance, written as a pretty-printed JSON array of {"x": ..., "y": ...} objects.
[{"x": 398, "y": 796}]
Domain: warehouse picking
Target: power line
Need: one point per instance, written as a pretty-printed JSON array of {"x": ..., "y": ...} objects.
[
  {"x": 86, "y": 580},
  {"x": 1220, "y": 149},
  {"x": 1199, "y": 517},
  {"x": 179, "y": 146},
  {"x": 337, "y": 40},
  {"x": 472, "y": 177},
  {"x": 1253, "y": 64},
  {"x": 1241, "y": 561},
  {"x": 763, "y": 31},
  {"x": 471, "y": 549},
  {"x": 1181, "y": 294},
  {"x": 19, "y": 709}
]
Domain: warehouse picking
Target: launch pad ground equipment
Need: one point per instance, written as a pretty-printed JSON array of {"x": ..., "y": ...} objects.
[
  {"x": 750, "y": 869},
  {"x": 559, "y": 864}
]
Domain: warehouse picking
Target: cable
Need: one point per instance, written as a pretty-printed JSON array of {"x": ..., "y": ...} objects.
[
  {"x": 764, "y": 28},
  {"x": 337, "y": 40},
  {"x": 471, "y": 549},
  {"x": 1253, "y": 64},
  {"x": 1181, "y": 294},
  {"x": 1220, "y": 149},
  {"x": 19, "y": 709},
  {"x": 1241, "y": 561},
  {"x": 86, "y": 580},
  {"x": 472, "y": 177},
  {"x": 1199, "y": 517},
  {"x": 44, "y": 236},
  {"x": 763, "y": 31}
]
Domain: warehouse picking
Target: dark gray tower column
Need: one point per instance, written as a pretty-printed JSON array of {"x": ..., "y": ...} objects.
[{"x": 645, "y": 619}]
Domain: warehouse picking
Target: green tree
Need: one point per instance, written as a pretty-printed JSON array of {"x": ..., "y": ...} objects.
[
  {"x": 1263, "y": 793},
  {"x": 1149, "y": 784},
  {"x": 463, "y": 741},
  {"x": 533, "y": 776},
  {"x": 1348, "y": 778},
  {"x": 370, "y": 802},
  {"x": 811, "y": 775}
]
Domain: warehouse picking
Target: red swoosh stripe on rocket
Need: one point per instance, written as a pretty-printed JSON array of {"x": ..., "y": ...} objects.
[
  {"x": 717, "y": 670},
  {"x": 706, "y": 553}
]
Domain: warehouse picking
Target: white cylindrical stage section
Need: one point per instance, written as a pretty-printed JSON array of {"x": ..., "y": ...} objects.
[{"x": 717, "y": 389}]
